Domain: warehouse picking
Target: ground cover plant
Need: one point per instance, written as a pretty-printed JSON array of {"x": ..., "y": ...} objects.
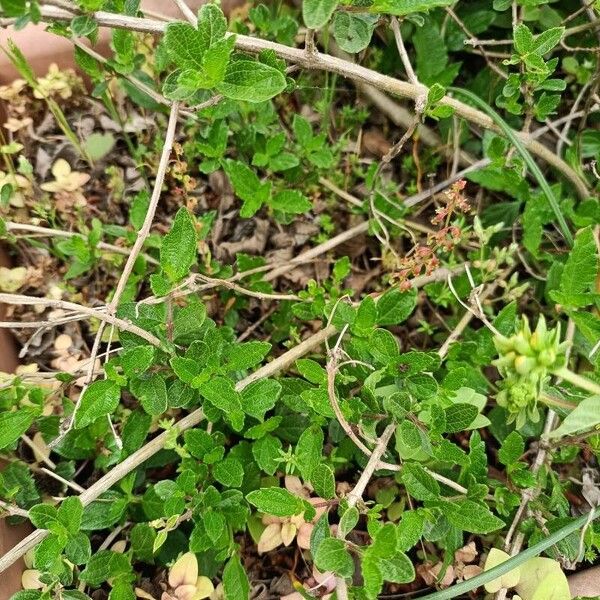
[{"x": 307, "y": 299}]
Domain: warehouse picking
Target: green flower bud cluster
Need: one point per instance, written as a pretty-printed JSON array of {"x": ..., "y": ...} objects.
[
  {"x": 525, "y": 360},
  {"x": 519, "y": 395}
]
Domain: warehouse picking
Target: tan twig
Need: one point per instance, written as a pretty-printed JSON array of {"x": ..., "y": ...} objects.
[
  {"x": 242, "y": 290},
  {"x": 100, "y": 314},
  {"x": 359, "y": 489},
  {"x": 39, "y": 451},
  {"x": 187, "y": 12},
  {"x": 46, "y": 231},
  {"x": 13, "y": 511},
  {"x": 141, "y": 237},
  {"x": 410, "y": 73},
  {"x": 326, "y": 62}
]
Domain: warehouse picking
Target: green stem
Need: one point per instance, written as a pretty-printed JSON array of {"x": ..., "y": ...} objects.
[
  {"x": 579, "y": 380},
  {"x": 513, "y": 562},
  {"x": 552, "y": 401}
]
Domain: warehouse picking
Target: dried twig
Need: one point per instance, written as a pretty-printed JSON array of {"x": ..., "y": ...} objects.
[
  {"x": 359, "y": 489},
  {"x": 97, "y": 313},
  {"x": 326, "y": 62},
  {"x": 47, "y": 232}
]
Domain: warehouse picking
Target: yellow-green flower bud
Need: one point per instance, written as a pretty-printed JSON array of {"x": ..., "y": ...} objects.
[{"x": 524, "y": 365}]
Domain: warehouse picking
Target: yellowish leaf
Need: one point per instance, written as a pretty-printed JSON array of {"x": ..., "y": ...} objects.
[
  {"x": 184, "y": 571},
  {"x": 497, "y": 557}
]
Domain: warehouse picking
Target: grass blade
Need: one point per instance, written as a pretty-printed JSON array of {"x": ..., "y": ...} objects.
[
  {"x": 514, "y": 139},
  {"x": 466, "y": 586}
]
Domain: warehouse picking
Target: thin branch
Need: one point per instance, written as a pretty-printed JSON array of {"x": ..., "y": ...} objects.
[
  {"x": 326, "y": 62},
  {"x": 410, "y": 73},
  {"x": 101, "y": 314},
  {"x": 359, "y": 489},
  {"x": 13, "y": 511},
  {"x": 144, "y": 231},
  {"x": 46, "y": 231},
  {"x": 374, "y": 463},
  {"x": 187, "y": 12},
  {"x": 241, "y": 290}
]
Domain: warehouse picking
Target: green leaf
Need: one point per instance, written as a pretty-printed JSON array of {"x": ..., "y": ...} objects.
[
  {"x": 235, "y": 580},
  {"x": 349, "y": 520},
  {"x": 323, "y": 481},
  {"x": 221, "y": 393},
  {"x": 78, "y": 549},
  {"x": 242, "y": 356},
  {"x": 136, "y": 361},
  {"x": 98, "y": 145},
  {"x": 251, "y": 81},
  {"x": 84, "y": 25},
  {"x": 309, "y": 450},
  {"x": 579, "y": 273},
  {"x": 121, "y": 590},
  {"x": 229, "y": 472},
  {"x": 276, "y": 501},
  {"x": 471, "y": 516},
  {"x": 319, "y": 533},
  {"x": 212, "y": 24},
  {"x": 14, "y": 424},
  {"x": 353, "y": 32},
  {"x": 260, "y": 397},
  {"x": 584, "y": 417},
  {"x": 188, "y": 320},
  {"x": 28, "y": 595},
  {"x": 185, "y": 45},
  {"x": 45, "y": 516},
  {"x": 142, "y": 541},
  {"x": 103, "y": 565},
  {"x": 70, "y": 513},
  {"x": 267, "y": 453},
  {"x": 523, "y": 38},
  {"x": 419, "y": 484},
  {"x": 178, "y": 249},
  {"x": 512, "y": 449},
  {"x": 372, "y": 576},
  {"x": 247, "y": 186},
  {"x": 385, "y": 541},
  {"x": 405, "y": 7},
  {"x": 290, "y": 201},
  {"x": 316, "y": 13},
  {"x": 410, "y": 529},
  {"x": 459, "y": 416},
  {"x": 547, "y": 40},
  {"x": 152, "y": 393},
  {"x": 47, "y": 552},
  {"x": 214, "y": 524},
  {"x": 395, "y": 306},
  {"x": 333, "y": 556},
  {"x": 397, "y": 568},
  {"x": 101, "y": 398}
]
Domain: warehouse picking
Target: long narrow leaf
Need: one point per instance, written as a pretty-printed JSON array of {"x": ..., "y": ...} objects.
[
  {"x": 466, "y": 586},
  {"x": 514, "y": 139}
]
